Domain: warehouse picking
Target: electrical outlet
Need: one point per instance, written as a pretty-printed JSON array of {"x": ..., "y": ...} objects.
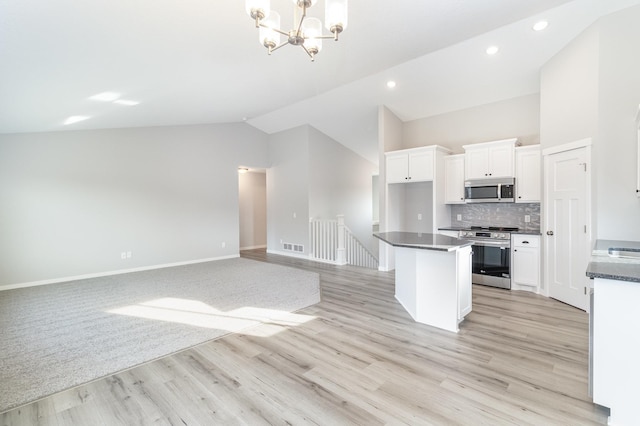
[
  {"x": 527, "y": 218},
  {"x": 419, "y": 216},
  {"x": 123, "y": 255},
  {"x": 459, "y": 217},
  {"x": 128, "y": 255},
  {"x": 295, "y": 215},
  {"x": 224, "y": 244}
]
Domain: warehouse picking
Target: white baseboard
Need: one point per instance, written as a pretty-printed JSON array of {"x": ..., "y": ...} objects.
[
  {"x": 253, "y": 247},
  {"x": 289, "y": 254},
  {"x": 109, "y": 273}
]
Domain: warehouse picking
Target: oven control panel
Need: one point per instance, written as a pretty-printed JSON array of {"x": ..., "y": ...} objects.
[{"x": 487, "y": 235}]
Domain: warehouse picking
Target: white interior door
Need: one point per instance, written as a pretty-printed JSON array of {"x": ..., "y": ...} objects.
[{"x": 566, "y": 218}]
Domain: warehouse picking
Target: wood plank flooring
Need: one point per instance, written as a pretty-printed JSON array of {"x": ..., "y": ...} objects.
[{"x": 356, "y": 358}]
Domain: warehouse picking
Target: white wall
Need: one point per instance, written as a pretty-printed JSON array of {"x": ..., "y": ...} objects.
[
  {"x": 517, "y": 117},
  {"x": 73, "y": 201},
  {"x": 618, "y": 207},
  {"x": 592, "y": 89},
  {"x": 569, "y": 92},
  {"x": 288, "y": 189},
  {"x": 340, "y": 183},
  {"x": 253, "y": 210},
  {"x": 389, "y": 139},
  {"x": 312, "y": 175}
]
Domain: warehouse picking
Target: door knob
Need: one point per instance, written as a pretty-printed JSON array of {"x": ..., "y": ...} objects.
[{"x": 549, "y": 232}]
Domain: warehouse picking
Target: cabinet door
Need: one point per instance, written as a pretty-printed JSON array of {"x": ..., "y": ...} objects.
[
  {"x": 476, "y": 163},
  {"x": 397, "y": 168},
  {"x": 501, "y": 161},
  {"x": 528, "y": 180},
  {"x": 525, "y": 265},
  {"x": 421, "y": 166},
  {"x": 454, "y": 179}
]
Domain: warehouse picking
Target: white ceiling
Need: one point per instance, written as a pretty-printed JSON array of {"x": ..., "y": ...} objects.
[{"x": 199, "y": 61}]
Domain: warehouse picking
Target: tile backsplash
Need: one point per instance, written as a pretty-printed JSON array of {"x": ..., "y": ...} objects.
[{"x": 497, "y": 214}]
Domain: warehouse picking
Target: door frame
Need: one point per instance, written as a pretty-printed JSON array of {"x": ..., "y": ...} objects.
[{"x": 586, "y": 143}]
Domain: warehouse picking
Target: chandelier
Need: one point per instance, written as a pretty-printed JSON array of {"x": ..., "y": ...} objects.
[{"x": 306, "y": 32}]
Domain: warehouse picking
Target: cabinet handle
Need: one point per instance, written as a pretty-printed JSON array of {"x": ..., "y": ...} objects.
[{"x": 525, "y": 242}]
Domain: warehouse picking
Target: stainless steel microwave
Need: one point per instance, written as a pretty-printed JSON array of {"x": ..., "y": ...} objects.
[{"x": 493, "y": 190}]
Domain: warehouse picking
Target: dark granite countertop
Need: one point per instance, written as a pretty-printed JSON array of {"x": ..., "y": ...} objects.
[
  {"x": 602, "y": 265},
  {"x": 422, "y": 241},
  {"x": 466, "y": 228}
]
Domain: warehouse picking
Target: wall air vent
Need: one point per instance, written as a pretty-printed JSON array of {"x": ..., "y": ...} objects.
[{"x": 298, "y": 248}]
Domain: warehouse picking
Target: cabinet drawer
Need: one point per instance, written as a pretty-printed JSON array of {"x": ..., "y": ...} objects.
[{"x": 526, "y": 240}]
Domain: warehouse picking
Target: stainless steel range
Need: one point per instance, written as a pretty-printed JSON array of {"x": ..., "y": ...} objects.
[{"x": 491, "y": 261}]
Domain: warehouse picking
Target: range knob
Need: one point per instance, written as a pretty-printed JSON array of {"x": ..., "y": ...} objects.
[{"x": 502, "y": 236}]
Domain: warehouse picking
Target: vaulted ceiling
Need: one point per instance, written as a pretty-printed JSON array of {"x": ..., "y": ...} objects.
[{"x": 199, "y": 61}]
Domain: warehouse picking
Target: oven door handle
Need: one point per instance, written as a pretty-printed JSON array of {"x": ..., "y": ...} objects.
[{"x": 501, "y": 244}]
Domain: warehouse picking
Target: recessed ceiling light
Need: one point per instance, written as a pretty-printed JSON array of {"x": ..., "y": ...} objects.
[
  {"x": 125, "y": 102},
  {"x": 539, "y": 26},
  {"x": 105, "y": 96},
  {"x": 391, "y": 84},
  {"x": 492, "y": 50},
  {"x": 75, "y": 119}
]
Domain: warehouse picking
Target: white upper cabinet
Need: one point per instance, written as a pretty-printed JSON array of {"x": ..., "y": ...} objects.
[
  {"x": 454, "y": 179},
  {"x": 528, "y": 179},
  {"x": 411, "y": 165},
  {"x": 490, "y": 159}
]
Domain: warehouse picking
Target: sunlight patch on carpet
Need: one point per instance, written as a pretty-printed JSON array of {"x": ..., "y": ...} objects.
[{"x": 200, "y": 314}]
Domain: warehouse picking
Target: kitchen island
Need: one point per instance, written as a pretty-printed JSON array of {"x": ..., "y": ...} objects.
[
  {"x": 615, "y": 348},
  {"x": 433, "y": 277}
]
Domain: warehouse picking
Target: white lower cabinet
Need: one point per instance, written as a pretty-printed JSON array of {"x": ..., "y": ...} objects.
[{"x": 525, "y": 262}]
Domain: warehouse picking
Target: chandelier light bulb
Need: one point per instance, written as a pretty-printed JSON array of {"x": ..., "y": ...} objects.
[
  {"x": 268, "y": 36},
  {"x": 258, "y": 9},
  {"x": 312, "y": 30},
  {"x": 304, "y": 3},
  {"x": 335, "y": 15}
]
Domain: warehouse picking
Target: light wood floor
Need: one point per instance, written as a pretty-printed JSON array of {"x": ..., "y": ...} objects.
[{"x": 356, "y": 358}]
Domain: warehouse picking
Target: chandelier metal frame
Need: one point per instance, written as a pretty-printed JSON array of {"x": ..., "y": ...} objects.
[{"x": 297, "y": 36}]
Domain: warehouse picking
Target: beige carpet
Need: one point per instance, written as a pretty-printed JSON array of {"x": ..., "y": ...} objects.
[{"x": 58, "y": 336}]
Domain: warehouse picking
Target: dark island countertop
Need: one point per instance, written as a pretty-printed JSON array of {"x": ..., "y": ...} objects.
[
  {"x": 622, "y": 268},
  {"x": 422, "y": 241}
]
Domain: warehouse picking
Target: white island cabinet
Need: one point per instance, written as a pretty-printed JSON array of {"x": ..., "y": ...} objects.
[
  {"x": 616, "y": 327},
  {"x": 433, "y": 277}
]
